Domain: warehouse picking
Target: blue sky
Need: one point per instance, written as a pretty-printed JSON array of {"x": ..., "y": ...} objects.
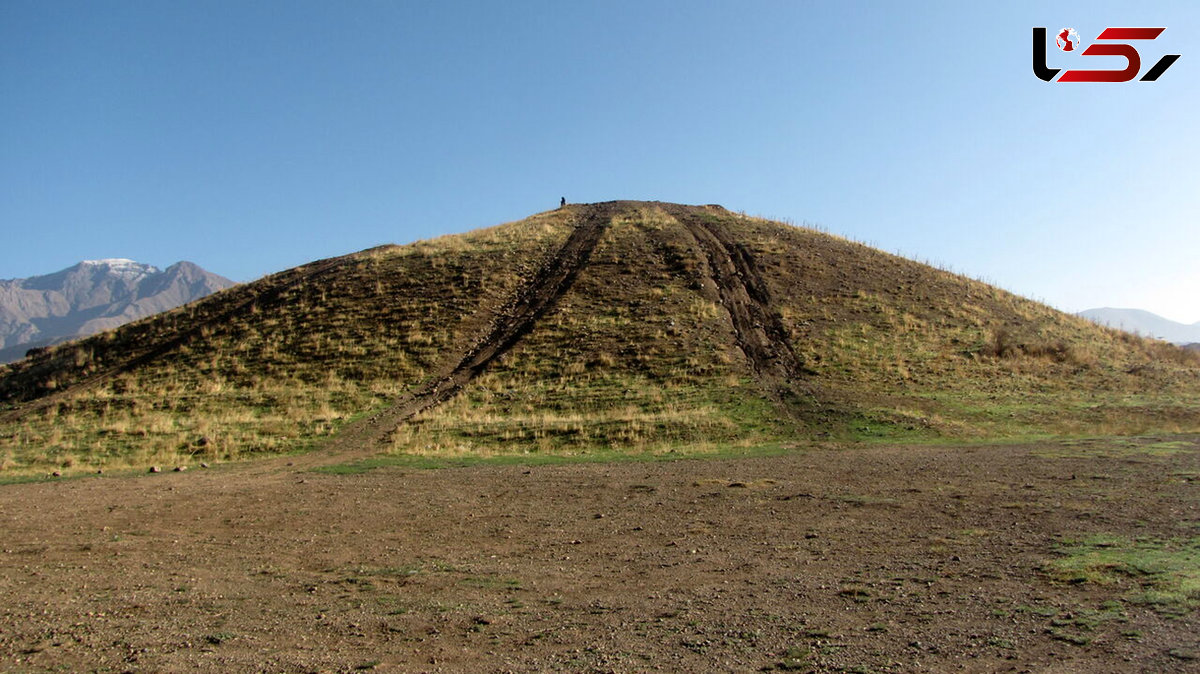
[{"x": 250, "y": 137}]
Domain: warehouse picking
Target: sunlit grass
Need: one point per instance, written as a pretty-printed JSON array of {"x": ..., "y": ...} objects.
[
  {"x": 1162, "y": 573},
  {"x": 639, "y": 356}
]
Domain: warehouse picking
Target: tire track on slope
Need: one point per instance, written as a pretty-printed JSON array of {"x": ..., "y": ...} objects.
[
  {"x": 758, "y": 330},
  {"x": 515, "y": 319}
]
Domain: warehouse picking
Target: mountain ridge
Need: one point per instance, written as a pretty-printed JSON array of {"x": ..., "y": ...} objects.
[
  {"x": 92, "y": 296},
  {"x": 1142, "y": 322}
]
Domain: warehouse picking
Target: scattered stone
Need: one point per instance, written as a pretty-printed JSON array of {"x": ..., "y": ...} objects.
[{"x": 800, "y": 495}]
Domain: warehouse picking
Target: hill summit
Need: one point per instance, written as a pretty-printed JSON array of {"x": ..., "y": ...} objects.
[{"x": 619, "y": 326}]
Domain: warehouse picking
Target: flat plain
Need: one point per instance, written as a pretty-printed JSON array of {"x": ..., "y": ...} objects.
[{"x": 1063, "y": 556}]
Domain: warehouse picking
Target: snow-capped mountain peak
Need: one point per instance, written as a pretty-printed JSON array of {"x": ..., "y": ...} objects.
[
  {"x": 123, "y": 267},
  {"x": 91, "y": 296}
]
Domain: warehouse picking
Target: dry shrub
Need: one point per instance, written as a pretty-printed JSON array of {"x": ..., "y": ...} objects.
[
  {"x": 1165, "y": 351},
  {"x": 1005, "y": 344},
  {"x": 1002, "y": 344}
]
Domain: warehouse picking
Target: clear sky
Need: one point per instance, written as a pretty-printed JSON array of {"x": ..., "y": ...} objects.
[{"x": 250, "y": 137}]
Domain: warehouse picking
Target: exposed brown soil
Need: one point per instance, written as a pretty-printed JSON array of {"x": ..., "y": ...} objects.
[
  {"x": 759, "y": 332},
  {"x": 869, "y": 559}
]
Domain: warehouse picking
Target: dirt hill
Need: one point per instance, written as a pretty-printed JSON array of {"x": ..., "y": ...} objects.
[{"x": 614, "y": 327}]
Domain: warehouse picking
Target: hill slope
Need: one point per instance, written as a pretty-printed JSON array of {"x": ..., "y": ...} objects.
[
  {"x": 93, "y": 296},
  {"x": 627, "y": 326}
]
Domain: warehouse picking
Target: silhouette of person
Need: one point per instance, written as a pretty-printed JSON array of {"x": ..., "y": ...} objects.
[{"x": 562, "y": 202}]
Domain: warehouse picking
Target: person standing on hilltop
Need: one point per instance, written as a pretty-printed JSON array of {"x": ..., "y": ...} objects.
[{"x": 562, "y": 203}]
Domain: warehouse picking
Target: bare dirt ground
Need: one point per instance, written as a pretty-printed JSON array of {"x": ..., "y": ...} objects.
[{"x": 868, "y": 559}]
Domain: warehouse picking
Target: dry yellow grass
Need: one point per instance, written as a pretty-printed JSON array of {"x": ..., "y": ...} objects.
[{"x": 639, "y": 354}]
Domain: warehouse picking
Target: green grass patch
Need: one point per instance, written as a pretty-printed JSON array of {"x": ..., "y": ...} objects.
[
  {"x": 1164, "y": 574},
  {"x": 795, "y": 659},
  {"x": 435, "y": 462},
  {"x": 218, "y": 638},
  {"x": 1077, "y": 625},
  {"x": 1114, "y": 448}
]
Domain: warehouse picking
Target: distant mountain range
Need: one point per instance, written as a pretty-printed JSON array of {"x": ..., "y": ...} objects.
[
  {"x": 1145, "y": 323},
  {"x": 93, "y": 296}
]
